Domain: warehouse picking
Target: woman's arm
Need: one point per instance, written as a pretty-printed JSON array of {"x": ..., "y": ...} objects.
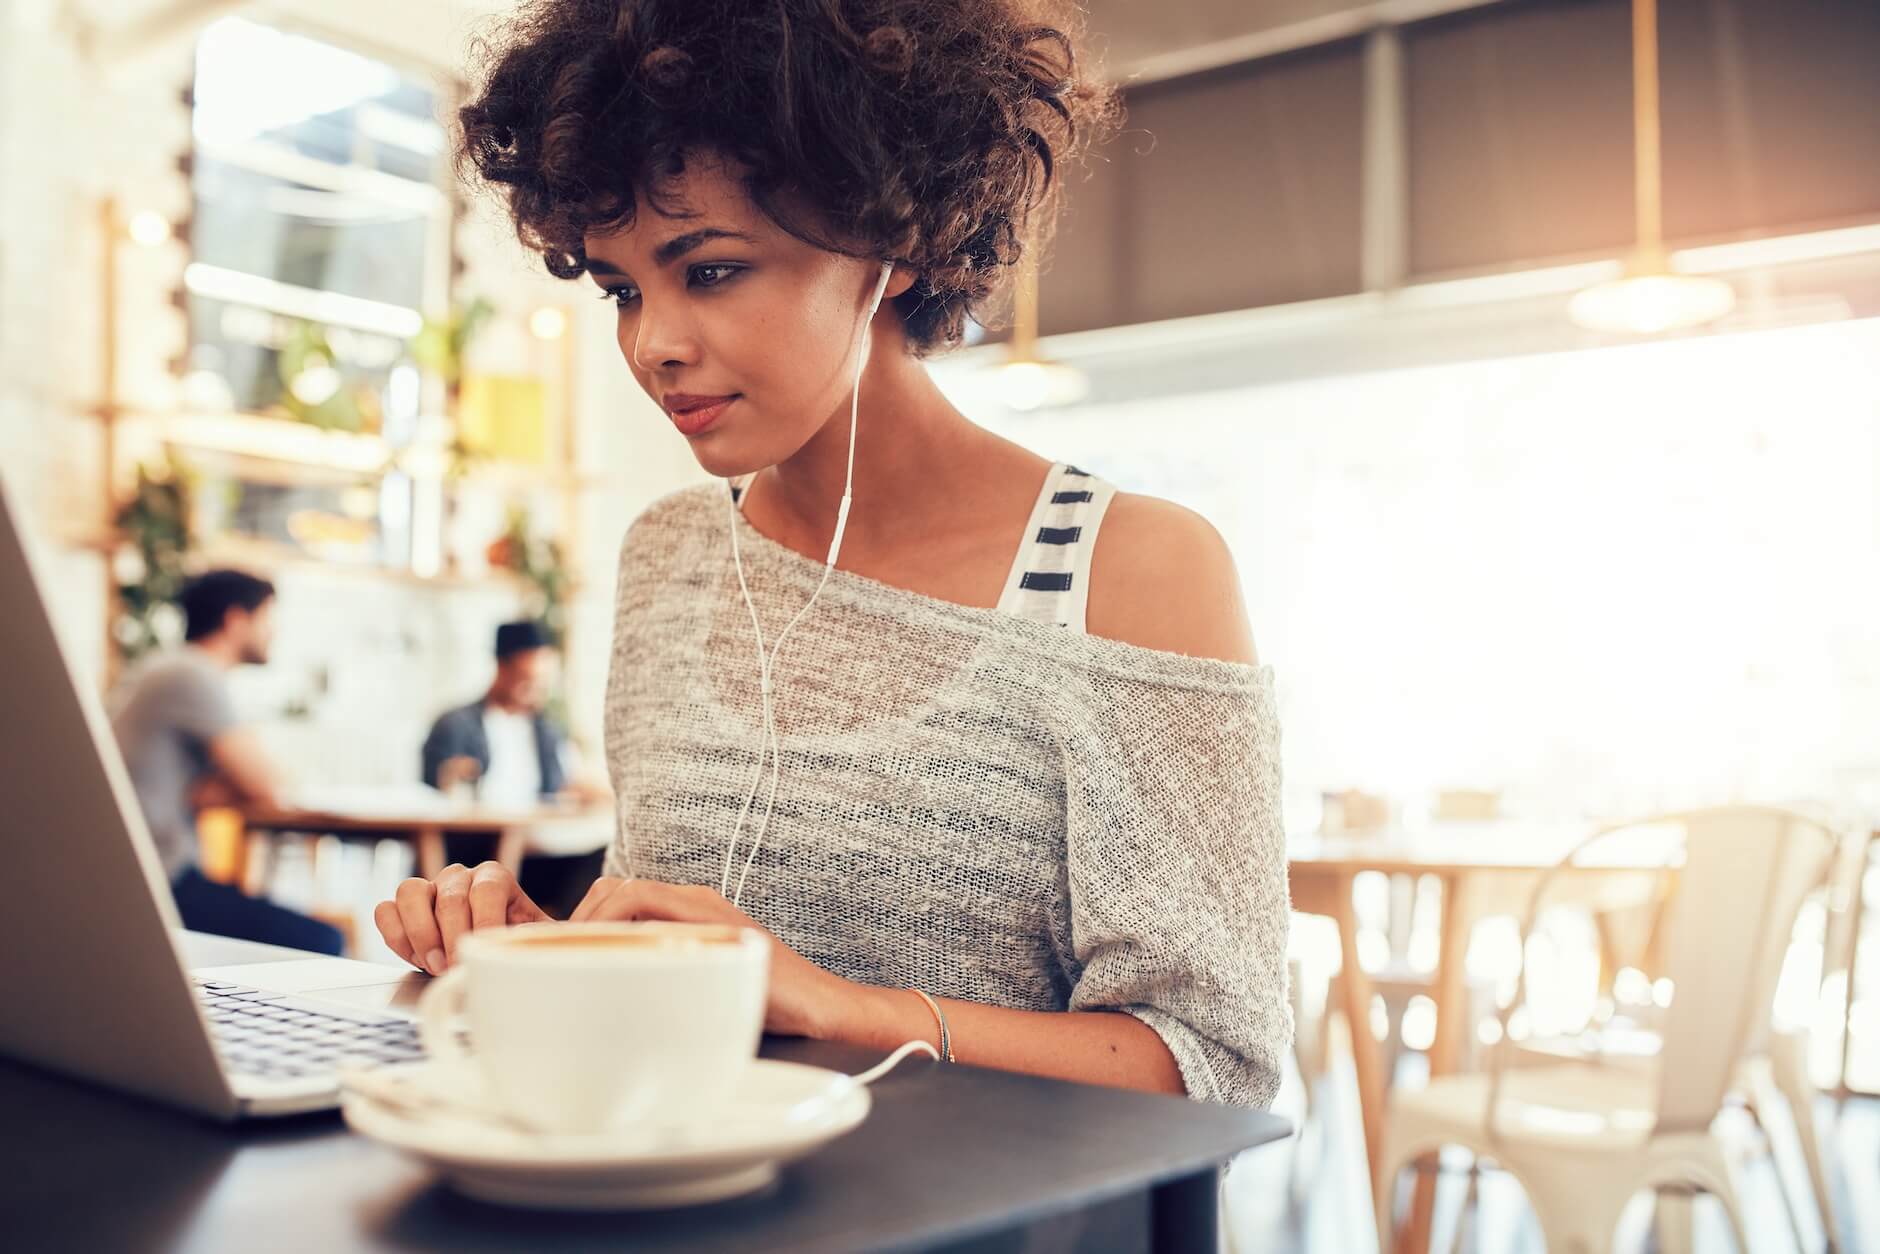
[
  {"x": 1092, "y": 1047},
  {"x": 427, "y": 920},
  {"x": 807, "y": 1000}
]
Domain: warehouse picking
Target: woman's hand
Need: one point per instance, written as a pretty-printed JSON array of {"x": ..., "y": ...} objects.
[
  {"x": 426, "y": 918},
  {"x": 805, "y": 1000},
  {"x": 458, "y": 770},
  {"x": 213, "y": 791}
]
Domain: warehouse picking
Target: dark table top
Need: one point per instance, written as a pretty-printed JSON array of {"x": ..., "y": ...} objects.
[{"x": 948, "y": 1153}]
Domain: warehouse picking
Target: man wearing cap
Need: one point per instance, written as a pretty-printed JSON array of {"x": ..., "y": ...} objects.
[{"x": 502, "y": 743}]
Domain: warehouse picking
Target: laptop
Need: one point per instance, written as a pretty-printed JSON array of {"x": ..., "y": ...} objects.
[{"x": 92, "y": 955}]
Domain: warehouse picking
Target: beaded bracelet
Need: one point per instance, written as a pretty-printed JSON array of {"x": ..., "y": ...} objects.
[{"x": 946, "y": 1040}]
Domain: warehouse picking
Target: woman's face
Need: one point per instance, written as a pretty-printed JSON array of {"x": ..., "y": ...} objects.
[{"x": 743, "y": 334}]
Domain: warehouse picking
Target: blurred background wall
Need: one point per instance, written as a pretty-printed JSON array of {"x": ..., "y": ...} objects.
[{"x": 1317, "y": 290}]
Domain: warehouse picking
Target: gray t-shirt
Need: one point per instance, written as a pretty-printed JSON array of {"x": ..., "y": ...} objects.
[{"x": 165, "y": 713}]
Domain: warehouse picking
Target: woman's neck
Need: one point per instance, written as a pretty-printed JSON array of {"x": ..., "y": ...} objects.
[{"x": 908, "y": 438}]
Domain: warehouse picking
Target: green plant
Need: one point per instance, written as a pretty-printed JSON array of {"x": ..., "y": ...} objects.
[
  {"x": 154, "y": 523},
  {"x": 541, "y": 562},
  {"x": 314, "y": 390},
  {"x": 441, "y": 343},
  {"x": 440, "y": 347}
]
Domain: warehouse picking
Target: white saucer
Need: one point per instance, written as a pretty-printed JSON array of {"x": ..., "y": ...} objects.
[{"x": 781, "y": 1112}]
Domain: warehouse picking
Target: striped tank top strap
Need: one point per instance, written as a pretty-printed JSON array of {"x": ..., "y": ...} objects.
[{"x": 1050, "y": 577}]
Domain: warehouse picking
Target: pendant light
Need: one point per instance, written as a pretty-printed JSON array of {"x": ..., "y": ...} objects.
[
  {"x": 1650, "y": 298},
  {"x": 1027, "y": 380}
]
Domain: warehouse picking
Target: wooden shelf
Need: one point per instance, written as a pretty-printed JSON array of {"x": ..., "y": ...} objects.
[
  {"x": 269, "y": 439},
  {"x": 297, "y": 444},
  {"x": 503, "y": 476},
  {"x": 268, "y": 557}
]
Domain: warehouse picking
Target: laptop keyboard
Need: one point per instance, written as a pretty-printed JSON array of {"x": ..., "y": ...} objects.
[{"x": 260, "y": 1036}]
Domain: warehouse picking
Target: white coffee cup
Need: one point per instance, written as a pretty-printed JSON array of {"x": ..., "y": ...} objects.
[{"x": 588, "y": 1027}]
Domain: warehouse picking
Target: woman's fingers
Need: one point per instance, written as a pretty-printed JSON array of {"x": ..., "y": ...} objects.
[
  {"x": 492, "y": 890},
  {"x": 522, "y": 910},
  {"x": 426, "y": 920},
  {"x": 617, "y": 900},
  {"x": 429, "y": 919},
  {"x": 385, "y": 914},
  {"x": 416, "y": 901},
  {"x": 599, "y": 891},
  {"x": 452, "y": 910}
]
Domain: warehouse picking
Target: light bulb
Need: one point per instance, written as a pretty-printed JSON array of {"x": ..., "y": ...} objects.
[
  {"x": 1029, "y": 384},
  {"x": 1647, "y": 304},
  {"x": 148, "y": 227},
  {"x": 316, "y": 385}
]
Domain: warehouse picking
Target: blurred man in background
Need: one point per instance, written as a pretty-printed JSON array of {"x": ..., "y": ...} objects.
[
  {"x": 185, "y": 750},
  {"x": 502, "y": 746},
  {"x": 506, "y": 751}
]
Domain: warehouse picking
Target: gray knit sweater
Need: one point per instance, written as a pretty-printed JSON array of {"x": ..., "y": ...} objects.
[{"x": 974, "y": 804}]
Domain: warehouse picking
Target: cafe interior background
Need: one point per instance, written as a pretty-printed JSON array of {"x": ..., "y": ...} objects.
[{"x": 1329, "y": 288}]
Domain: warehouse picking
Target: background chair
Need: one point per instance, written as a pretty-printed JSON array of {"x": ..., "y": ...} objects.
[{"x": 1583, "y": 1140}]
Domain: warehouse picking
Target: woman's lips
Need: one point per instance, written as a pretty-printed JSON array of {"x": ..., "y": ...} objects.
[{"x": 694, "y": 415}]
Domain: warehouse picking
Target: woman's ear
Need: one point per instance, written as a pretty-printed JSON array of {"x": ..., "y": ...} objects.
[{"x": 902, "y": 279}]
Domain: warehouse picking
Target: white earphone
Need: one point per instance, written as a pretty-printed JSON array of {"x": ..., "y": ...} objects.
[{"x": 766, "y": 659}]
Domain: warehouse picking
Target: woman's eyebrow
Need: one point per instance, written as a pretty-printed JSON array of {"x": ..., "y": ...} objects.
[
  {"x": 680, "y": 245},
  {"x": 670, "y": 251}
]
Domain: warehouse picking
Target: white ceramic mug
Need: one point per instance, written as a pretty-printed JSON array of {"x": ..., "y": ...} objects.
[{"x": 587, "y": 1027}]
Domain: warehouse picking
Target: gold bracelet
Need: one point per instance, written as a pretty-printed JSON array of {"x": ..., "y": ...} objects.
[{"x": 946, "y": 1041}]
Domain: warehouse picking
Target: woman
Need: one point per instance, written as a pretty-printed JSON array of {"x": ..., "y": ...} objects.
[{"x": 1001, "y": 773}]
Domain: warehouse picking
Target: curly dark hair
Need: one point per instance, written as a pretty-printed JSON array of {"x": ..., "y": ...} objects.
[{"x": 926, "y": 132}]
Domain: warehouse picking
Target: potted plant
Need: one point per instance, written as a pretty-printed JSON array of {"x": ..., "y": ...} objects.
[{"x": 149, "y": 569}]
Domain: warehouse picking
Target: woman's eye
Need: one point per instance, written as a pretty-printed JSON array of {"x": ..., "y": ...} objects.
[
  {"x": 712, "y": 276},
  {"x": 621, "y": 296}
]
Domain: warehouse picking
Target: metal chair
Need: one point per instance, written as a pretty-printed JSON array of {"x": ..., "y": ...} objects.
[{"x": 1583, "y": 1140}]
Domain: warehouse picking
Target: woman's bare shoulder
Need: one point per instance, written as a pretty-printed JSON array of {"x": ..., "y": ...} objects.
[{"x": 1162, "y": 577}]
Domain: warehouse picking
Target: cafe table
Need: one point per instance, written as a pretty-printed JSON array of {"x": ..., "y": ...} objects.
[
  {"x": 951, "y": 1157},
  {"x": 423, "y": 821},
  {"x": 1485, "y": 868}
]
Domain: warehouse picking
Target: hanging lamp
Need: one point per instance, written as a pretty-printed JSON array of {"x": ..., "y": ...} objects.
[
  {"x": 1650, "y": 298},
  {"x": 1027, "y": 380}
]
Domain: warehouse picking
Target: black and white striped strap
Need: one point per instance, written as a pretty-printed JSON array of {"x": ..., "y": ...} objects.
[{"x": 1050, "y": 576}]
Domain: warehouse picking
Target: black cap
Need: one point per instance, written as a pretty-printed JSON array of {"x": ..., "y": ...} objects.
[{"x": 520, "y": 637}]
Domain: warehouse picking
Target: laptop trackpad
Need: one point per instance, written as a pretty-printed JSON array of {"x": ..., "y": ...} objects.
[
  {"x": 403, "y": 994},
  {"x": 360, "y": 985},
  {"x": 378, "y": 982}
]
